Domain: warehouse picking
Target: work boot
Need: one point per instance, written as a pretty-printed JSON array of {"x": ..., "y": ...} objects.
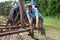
[
  {"x": 42, "y": 30},
  {"x": 31, "y": 34}
]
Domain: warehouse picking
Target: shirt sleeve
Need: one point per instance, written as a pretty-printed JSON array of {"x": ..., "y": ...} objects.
[
  {"x": 28, "y": 16},
  {"x": 37, "y": 12}
]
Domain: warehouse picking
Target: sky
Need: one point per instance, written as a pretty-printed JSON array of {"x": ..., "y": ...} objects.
[{"x": 5, "y": 0}]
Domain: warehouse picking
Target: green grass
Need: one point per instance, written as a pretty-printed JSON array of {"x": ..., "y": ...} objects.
[{"x": 52, "y": 21}]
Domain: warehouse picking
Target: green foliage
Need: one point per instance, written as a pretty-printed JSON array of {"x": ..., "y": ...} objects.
[
  {"x": 4, "y": 7},
  {"x": 52, "y": 21},
  {"x": 50, "y": 7}
]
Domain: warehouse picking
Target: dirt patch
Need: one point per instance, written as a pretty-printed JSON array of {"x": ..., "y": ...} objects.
[{"x": 52, "y": 33}]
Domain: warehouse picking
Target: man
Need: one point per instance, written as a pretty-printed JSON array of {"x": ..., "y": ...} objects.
[{"x": 35, "y": 18}]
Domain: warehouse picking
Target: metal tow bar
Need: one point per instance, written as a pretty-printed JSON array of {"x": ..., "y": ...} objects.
[{"x": 12, "y": 30}]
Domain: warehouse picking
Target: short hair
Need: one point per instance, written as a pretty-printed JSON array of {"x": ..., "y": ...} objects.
[{"x": 29, "y": 6}]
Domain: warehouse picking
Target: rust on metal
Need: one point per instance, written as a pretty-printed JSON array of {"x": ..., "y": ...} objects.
[
  {"x": 14, "y": 32},
  {"x": 10, "y": 27},
  {"x": 5, "y": 28},
  {"x": 21, "y": 12}
]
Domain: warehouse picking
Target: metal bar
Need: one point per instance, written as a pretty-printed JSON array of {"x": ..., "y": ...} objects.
[
  {"x": 9, "y": 27},
  {"x": 14, "y": 32},
  {"x": 21, "y": 12}
]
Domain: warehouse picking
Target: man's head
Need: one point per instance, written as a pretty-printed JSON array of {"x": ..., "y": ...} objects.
[{"x": 29, "y": 8}]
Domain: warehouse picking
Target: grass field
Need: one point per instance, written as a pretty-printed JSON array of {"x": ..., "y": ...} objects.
[{"x": 52, "y": 21}]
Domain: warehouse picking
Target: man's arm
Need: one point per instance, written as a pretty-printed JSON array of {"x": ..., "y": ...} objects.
[
  {"x": 29, "y": 18},
  {"x": 37, "y": 19},
  {"x": 37, "y": 14},
  {"x": 30, "y": 21}
]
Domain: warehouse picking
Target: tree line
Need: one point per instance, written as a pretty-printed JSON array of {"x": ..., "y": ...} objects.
[{"x": 50, "y": 7}]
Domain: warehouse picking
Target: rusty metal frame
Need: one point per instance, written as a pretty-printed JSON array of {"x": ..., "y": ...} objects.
[
  {"x": 21, "y": 12},
  {"x": 20, "y": 29}
]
